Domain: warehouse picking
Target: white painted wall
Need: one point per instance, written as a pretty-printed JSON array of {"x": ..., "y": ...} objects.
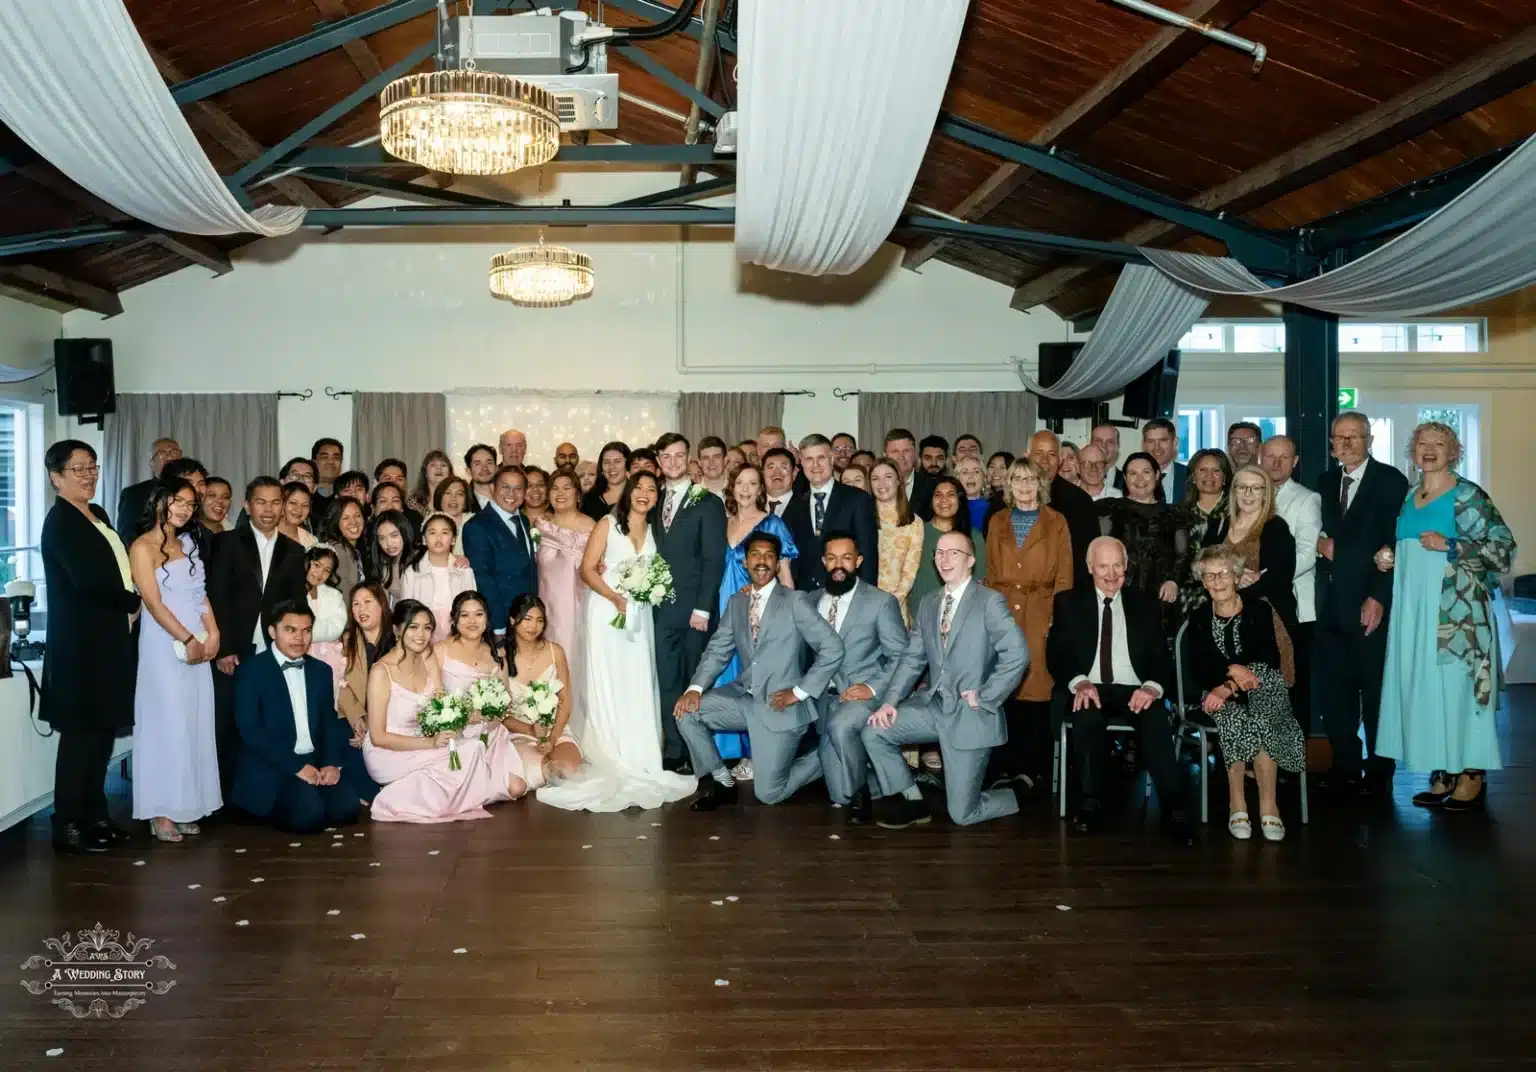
[{"x": 26, "y": 342}]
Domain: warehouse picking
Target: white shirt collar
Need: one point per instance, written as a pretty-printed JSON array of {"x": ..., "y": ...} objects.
[
  {"x": 825, "y": 489},
  {"x": 783, "y": 496},
  {"x": 762, "y": 594},
  {"x": 280, "y": 658},
  {"x": 1101, "y": 597},
  {"x": 680, "y": 484},
  {"x": 1358, "y": 471},
  {"x": 502, "y": 512},
  {"x": 958, "y": 590},
  {"x": 264, "y": 540}
]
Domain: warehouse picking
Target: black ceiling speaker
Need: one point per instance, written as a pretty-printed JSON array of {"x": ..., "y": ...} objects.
[
  {"x": 82, "y": 370},
  {"x": 1155, "y": 392},
  {"x": 1055, "y": 359}
]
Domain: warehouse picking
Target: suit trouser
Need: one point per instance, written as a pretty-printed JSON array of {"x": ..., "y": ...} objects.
[
  {"x": 226, "y": 733},
  {"x": 964, "y": 768},
  {"x": 844, "y": 760},
  {"x": 679, "y": 647},
  {"x": 1154, "y": 737},
  {"x": 777, "y": 772},
  {"x": 1302, "y": 692},
  {"x": 1028, "y": 748},
  {"x": 80, "y": 776},
  {"x": 1347, "y": 667},
  {"x": 301, "y": 808}
]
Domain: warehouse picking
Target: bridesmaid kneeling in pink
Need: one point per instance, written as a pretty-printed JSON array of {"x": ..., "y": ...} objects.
[
  {"x": 550, "y": 753},
  {"x": 464, "y": 658},
  {"x": 420, "y": 785}
]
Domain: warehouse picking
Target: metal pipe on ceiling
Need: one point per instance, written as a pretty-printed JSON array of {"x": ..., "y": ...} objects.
[{"x": 1173, "y": 18}]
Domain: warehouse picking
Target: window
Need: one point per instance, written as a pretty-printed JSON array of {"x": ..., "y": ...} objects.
[
  {"x": 1374, "y": 338},
  {"x": 1205, "y": 336},
  {"x": 1268, "y": 337},
  {"x": 1449, "y": 338},
  {"x": 21, "y": 492},
  {"x": 1258, "y": 338}
]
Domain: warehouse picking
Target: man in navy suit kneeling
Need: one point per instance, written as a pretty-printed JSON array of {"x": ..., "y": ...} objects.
[{"x": 292, "y": 744}]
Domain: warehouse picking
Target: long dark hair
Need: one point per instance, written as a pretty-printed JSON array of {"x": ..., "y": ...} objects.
[
  {"x": 315, "y": 554},
  {"x": 160, "y": 496},
  {"x": 378, "y": 566},
  {"x": 622, "y": 507},
  {"x": 601, "y": 487},
  {"x": 962, "y": 520},
  {"x": 353, "y": 642},
  {"x": 470, "y": 502},
  {"x": 405, "y": 613},
  {"x": 331, "y": 530},
  {"x": 1192, "y": 493},
  {"x": 421, "y": 493},
  {"x": 1157, "y": 485},
  {"x": 471, "y": 596},
  {"x": 521, "y": 607}
]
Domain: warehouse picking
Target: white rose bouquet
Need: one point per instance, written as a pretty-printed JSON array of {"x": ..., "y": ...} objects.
[
  {"x": 447, "y": 712},
  {"x": 646, "y": 579},
  {"x": 489, "y": 698},
  {"x": 540, "y": 704}
]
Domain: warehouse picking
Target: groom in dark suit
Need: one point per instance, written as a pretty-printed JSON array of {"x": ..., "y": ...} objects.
[
  {"x": 688, "y": 523},
  {"x": 829, "y": 505},
  {"x": 498, "y": 541}
]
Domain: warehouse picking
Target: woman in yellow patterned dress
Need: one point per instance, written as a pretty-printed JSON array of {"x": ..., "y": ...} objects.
[{"x": 901, "y": 533}]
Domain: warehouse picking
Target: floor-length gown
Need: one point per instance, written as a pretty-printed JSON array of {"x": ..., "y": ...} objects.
[
  {"x": 419, "y": 786},
  {"x": 565, "y": 595},
  {"x": 330, "y": 622},
  {"x": 733, "y": 580},
  {"x": 621, "y": 734},
  {"x": 1430, "y": 717},
  {"x": 175, "y": 755},
  {"x": 501, "y": 756}
]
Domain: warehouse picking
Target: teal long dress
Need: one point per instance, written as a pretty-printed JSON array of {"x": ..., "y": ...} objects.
[
  {"x": 1430, "y": 717},
  {"x": 733, "y": 580}
]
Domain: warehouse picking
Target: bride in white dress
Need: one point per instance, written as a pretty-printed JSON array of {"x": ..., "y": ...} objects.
[{"x": 621, "y": 735}]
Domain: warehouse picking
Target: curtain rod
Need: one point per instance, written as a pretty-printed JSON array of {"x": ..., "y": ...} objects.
[{"x": 303, "y": 396}]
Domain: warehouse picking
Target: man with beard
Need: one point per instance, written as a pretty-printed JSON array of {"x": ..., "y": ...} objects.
[
  {"x": 869, "y": 622},
  {"x": 769, "y": 627}
]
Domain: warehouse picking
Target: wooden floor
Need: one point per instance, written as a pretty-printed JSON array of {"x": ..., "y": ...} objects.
[{"x": 778, "y": 938}]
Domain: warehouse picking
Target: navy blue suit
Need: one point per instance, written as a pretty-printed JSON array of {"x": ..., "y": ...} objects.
[
  {"x": 504, "y": 567},
  {"x": 266, "y": 776}
]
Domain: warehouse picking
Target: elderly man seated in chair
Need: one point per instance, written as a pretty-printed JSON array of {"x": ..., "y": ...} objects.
[
  {"x": 975, "y": 656},
  {"x": 1109, "y": 656}
]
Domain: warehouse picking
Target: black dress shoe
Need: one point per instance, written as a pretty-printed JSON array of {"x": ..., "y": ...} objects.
[
  {"x": 712, "y": 795},
  {"x": 1431, "y": 797},
  {"x": 898, "y": 813},
  {"x": 861, "y": 809},
  {"x": 108, "y": 831},
  {"x": 1089, "y": 818},
  {"x": 1477, "y": 803},
  {"x": 71, "y": 837}
]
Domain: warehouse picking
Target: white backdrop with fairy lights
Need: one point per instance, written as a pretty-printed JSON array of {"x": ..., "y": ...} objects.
[{"x": 548, "y": 418}]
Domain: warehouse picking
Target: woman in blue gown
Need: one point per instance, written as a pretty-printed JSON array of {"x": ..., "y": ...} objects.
[
  {"x": 746, "y": 503},
  {"x": 1441, "y": 689}
]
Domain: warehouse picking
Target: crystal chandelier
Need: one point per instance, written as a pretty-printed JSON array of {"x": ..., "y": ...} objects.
[
  {"x": 541, "y": 276},
  {"x": 468, "y": 122}
]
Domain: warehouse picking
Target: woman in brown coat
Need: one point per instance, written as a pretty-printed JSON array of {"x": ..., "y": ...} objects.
[{"x": 1029, "y": 560}]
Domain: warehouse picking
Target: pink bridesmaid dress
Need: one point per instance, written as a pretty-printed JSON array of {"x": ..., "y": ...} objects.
[
  {"x": 501, "y": 754},
  {"x": 564, "y": 593},
  {"x": 419, "y": 786}
]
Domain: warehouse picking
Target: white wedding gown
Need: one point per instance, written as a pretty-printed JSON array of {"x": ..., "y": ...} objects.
[{"x": 621, "y": 736}]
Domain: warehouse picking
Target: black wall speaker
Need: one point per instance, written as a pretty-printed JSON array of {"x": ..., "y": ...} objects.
[
  {"x": 82, "y": 370},
  {"x": 1155, "y": 392},
  {"x": 1055, "y": 359}
]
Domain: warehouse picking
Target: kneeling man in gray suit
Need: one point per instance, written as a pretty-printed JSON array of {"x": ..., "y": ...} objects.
[
  {"x": 869, "y": 622},
  {"x": 769, "y": 627},
  {"x": 975, "y": 655}
]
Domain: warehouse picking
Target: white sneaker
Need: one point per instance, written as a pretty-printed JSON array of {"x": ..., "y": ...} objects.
[
  {"x": 1239, "y": 825},
  {"x": 742, "y": 772},
  {"x": 1273, "y": 828}
]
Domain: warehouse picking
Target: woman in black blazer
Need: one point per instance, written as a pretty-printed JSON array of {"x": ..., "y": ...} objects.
[{"x": 89, "y": 664}]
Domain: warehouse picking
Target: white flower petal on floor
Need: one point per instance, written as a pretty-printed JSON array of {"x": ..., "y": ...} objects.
[
  {"x": 238, "y": 851},
  {"x": 1063, "y": 908},
  {"x": 717, "y": 902},
  {"x": 586, "y": 846},
  {"x": 334, "y": 912},
  {"x": 358, "y": 937},
  {"x": 220, "y": 900},
  {"x": 258, "y": 880},
  {"x": 336, "y": 844},
  {"x": 242, "y": 923},
  {"x": 655, "y": 824},
  {"x": 733, "y": 898},
  {"x": 714, "y": 837},
  {"x": 195, "y": 886},
  {"x": 640, "y": 837},
  {"x": 294, "y": 844},
  {"x": 434, "y": 852},
  {"x": 834, "y": 837},
  {"x": 375, "y": 863},
  {"x": 336, "y": 836},
  {"x": 722, "y": 982},
  {"x": 57, "y": 1051},
  {"x": 359, "y": 834},
  {"x": 461, "y": 949},
  {"x": 138, "y": 863}
]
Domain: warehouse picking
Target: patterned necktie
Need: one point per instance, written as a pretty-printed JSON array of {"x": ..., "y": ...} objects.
[
  {"x": 1344, "y": 493},
  {"x": 755, "y": 614},
  {"x": 832, "y": 613},
  {"x": 944, "y": 619},
  {"x": 821, "y": 511},
  {"x": 1107, "y": 644},
  {"x": 666, "y": 515}
]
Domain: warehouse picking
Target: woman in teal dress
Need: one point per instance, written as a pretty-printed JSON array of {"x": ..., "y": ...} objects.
[
  {"x": 1441, "y": 689},
  {"x": 746, "y": 504}
]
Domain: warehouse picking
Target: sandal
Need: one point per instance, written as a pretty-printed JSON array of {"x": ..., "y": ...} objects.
[
  {"x": 1273, "y": 829},
  {"x": 188, "y": 828},
  {"x": 168, "y": 832},
  {"x": 1239, "y": 825},
  {"x": 1441, "y": 785}
]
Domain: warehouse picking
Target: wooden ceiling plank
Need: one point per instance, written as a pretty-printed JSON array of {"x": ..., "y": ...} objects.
[
  {"x": 55, "y": 286},
  {"x": 358, "y": 50},
  {"x": 1485, "y": 77},
  {"x": 222, "y": 128},
  {"x": 1166, "y": 52}
]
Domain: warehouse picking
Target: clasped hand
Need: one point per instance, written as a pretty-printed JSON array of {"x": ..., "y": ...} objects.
[{"x": 319, "y": 776}]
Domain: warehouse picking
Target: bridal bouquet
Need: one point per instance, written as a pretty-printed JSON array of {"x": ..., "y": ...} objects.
[
  {"x": 488, "y": 697},
  {"x": 447, "y": 712},
  {"x": 540, "y": 704},
  {"x": 646, "y": 579}
]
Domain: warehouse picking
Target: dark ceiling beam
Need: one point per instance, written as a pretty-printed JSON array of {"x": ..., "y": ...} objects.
[
  {"x": 686, "y": 192},
  {"x": 1166, "y": 52},
  {"x": 694, "y": 28},
  {"x": 1493, "y": 73},
  {"x": 358, "y": 51},
  {"x": 984, "y": 234},
  {"x": 26, "y": 245},
  {"x": 60, "y": 288},
  {"x": 217, "y": 124},
  {"x": 374, "y": 156},
  {"x": 671, "y": 79},
  {"x": 520, "y": 215},
  {"x": 374, "y": 184}
]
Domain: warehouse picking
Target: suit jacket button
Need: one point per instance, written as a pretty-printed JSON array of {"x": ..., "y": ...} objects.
[{"x": 1015, "y": 606}]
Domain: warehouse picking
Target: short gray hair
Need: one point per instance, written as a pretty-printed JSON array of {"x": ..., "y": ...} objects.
[{"x": 815, "y": 439}]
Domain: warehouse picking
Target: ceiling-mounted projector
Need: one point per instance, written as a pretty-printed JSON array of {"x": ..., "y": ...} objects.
[{"x": 546, "y": 50}]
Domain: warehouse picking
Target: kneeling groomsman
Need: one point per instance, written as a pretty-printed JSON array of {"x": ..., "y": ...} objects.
[
  {"x": 975, "y": 655},
  {"x": 869, "y": 622},
  {"x": 292, "y": 744},
  {"x": 769, "y": 627}
]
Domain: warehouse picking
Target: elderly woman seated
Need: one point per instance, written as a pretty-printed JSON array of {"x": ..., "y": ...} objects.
[{"x": 1240, "y": 657}]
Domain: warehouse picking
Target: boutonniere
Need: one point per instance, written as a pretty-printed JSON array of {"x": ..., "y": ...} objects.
[
  {"x": 535, "y": 537},
  {"x": 696, "y": 495}
]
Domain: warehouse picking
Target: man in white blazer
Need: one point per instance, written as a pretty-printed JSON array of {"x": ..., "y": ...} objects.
[{"x": 1302, "y": 509}]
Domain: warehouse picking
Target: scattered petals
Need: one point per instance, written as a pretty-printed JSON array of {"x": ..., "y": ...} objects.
[
  {"x": 717, "y": 902},
  {"x": 239, "y": 850},
  {"x": 57, "y": 1051},
  {"x": 334, "y": 912},
  {"x": 357, "y": 835},
  {"x": 834, "y": 837},
  {"x": 138, "y": 863},
  {"x": 733, "y": 898},
  {"x": 335, "y": 836},
  {"x": 586, "y": 846},
  {"x": 294, "y": 844},
  {"x": 461, "y": 949},
  {"x": 655, "y": 824},
  {"x": 714, "y": 837},
  {"x": 195, "y": 886},
  {"x": 242, "y": 923},
  {"x": 220, "y": 900},
  {"x": 434, "y": 852},
  {"x": 722, "y": 982},
  {"x": 330, "y": 829},
  {"x": 640, "y": 837},
  {"x": 1063, "y": 908},
  {"x": 358, "y": 937},
  {"x": 336, "y": 844},
  {"x": 258, "y": 880},
  {"x": 375, "y": 863}
]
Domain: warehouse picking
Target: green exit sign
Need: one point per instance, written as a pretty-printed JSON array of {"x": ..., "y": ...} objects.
[{"x": 1349, "y": 398}]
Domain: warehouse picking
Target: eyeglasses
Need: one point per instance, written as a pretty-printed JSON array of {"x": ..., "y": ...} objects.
[
  {"x": 1217, "y": 573},
  {"x": 951, "y": 554},
  {"x": 1248, "y": 489},
  {"x": 83, "y": 470}
]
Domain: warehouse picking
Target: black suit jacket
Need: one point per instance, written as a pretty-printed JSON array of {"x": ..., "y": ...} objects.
[
  {"x": 695, "y": 549},
  {"x": 235, "y": 590},
  {"x": 849, "y": 510},
  {"x": 1073, "y": 642},
  {"x": 921, "y": 499},
  {"x": 130, "y": 510},
  {"x": 1371, "y": 524},
  {"x": 1076, "y": 505},
  {"x": 264, "y": 716}
]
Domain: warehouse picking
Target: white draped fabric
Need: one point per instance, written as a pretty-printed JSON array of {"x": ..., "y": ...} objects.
[
  {"x": 1481, "y": 245},
  {"x": 1145, "y": 317},
  {"x": 837, "y": 105},
  {"x": 79, "y": 86}
]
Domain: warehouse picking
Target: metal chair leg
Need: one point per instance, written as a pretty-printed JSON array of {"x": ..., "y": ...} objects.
[
  {"x": 1305, "y": 814},
  {"x": 1205, "y": 774},
  {"x": 1061, "y": 772}
]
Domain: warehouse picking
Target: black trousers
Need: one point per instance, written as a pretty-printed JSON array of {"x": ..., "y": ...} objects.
[
  {"x": 302, "y": 808},
  {"x": 1090, "y": 739},
  {"x": 1028, "y": 748},
  {"x": 1347, "y": 668},
  {"x": 679, "y": 647},
  {"x": 1301, "y": 694},
  {"x": 226, "y": 734},
  {"x": 80, "y": 776}
]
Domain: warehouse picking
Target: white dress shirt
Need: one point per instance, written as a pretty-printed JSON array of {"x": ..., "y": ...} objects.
[
  {"x": 506, "y": 519},
  {"x": 1355, "y": 476},
  {"x": 483, "y": 499},
  {"x": 1167, "y": 481},
  {"x": 265, "y": 545},
  {"x": 1302, "y": 510},
  {"x": 844, "y": 601},
  {"x": 777, "y": 504},
  {"x": 1120, "y": 648},
  {"x": 676, "y": 491},
  {"x": 1108, "y": 491},
  {"x": 303, "y": 743}
]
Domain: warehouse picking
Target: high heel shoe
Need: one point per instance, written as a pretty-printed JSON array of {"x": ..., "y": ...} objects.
[
  {"x": 1477, "y": 803},
  {"x": 165, "y": 833},
  {"x": 1432, "y": 797},
  {"x": 188, "y": 828}
]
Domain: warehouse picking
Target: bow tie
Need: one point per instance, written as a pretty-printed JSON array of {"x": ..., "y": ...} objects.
[{"x": 292, "y": 664}]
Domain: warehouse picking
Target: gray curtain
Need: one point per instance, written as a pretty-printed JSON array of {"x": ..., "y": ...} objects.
[
  {"x": 1002, "y": 420},
  {"x": 1145, "y": 317},
  {"x": 234, "y": 436},
  {"x": 731, "y": 415},
  {"x": 391, "y": 425}
]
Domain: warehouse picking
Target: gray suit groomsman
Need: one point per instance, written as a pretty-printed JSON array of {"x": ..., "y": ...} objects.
[
  {"x": 869, "y": 623},
  {"x": 769, "y": 627},
  {"x": 975, "y": 655}
]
